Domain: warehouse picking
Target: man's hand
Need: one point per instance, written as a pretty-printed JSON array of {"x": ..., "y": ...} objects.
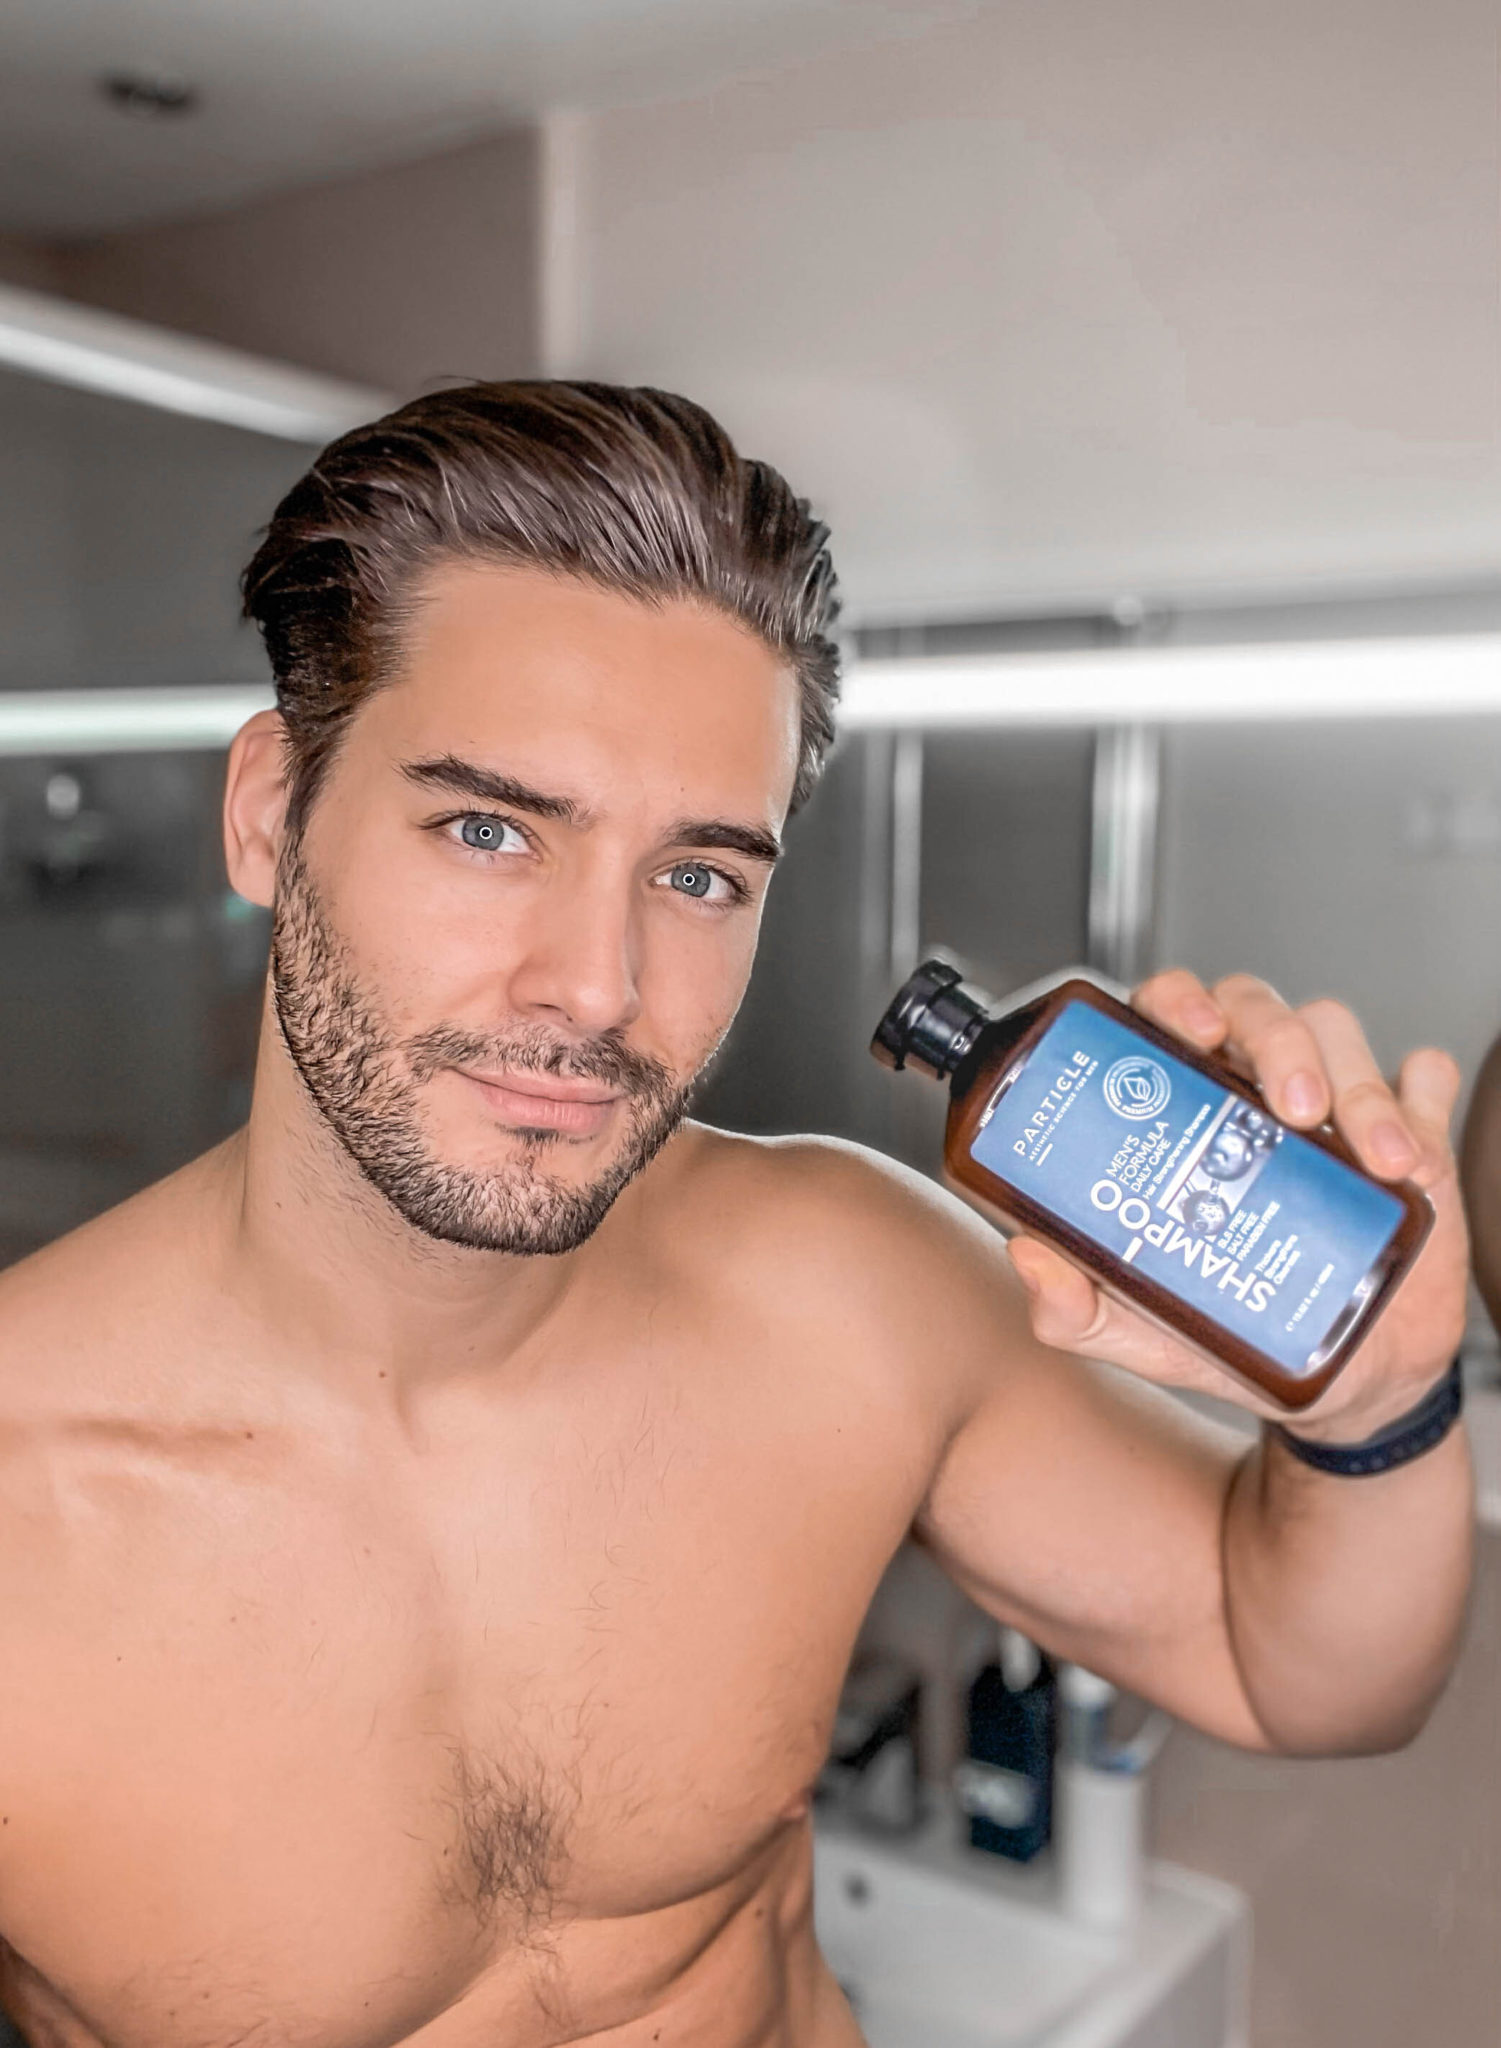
[{"x": 1312, "y": 1064}]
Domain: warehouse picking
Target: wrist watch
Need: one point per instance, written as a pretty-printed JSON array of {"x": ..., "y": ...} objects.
[{"x": 1423, "y": 1426}]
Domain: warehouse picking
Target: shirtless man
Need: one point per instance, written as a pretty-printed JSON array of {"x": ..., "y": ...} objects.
[{"x": 435, "y": 1524}]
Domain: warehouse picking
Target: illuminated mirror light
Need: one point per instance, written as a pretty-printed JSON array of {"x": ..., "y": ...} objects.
[
  {"x": 1439, "y": 675},
  {"x": 126, "y": 721},
  {"x": 94, "y": 351}
]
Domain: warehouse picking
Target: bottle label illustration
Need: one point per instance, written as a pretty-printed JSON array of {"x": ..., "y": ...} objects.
[{"x": 1201, "y": 1191}]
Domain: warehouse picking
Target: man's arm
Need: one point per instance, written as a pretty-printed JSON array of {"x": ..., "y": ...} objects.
[
  {"x": 1270, "y": 1604},
  {"x": 1480, "y": 1173}
]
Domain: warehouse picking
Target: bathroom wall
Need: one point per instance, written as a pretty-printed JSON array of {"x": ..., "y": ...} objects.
[
  {"x": 1054, "y": 300},
  {"x": 38, "y": 554},
  {"x": 123, "y": 531},
  {"x": 1040, "y": 302},
  {"x": 397, "y": 278},
  {"x": 1375, "y": 1882},
  {"x": 1353, "y": 858},
  {"x": 130, "y": 994},
  {"x": 28, "y": 263}
]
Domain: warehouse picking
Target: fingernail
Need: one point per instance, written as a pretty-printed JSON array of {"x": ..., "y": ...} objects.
[
  {"x": 1304, "y": 1094},
  {"x": 1393, "y": 1147},
  {"x": 1203, "y": 1016}
]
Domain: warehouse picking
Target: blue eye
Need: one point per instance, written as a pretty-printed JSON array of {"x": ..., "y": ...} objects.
[
  {"x": 484, "y": 834},
  {"x": 693, "y": 880}
]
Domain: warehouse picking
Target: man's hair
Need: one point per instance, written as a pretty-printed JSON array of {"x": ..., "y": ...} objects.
[{"x": 635, "y": 491}]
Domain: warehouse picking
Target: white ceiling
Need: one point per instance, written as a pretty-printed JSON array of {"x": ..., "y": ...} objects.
[{"x": 296, "y": 90}]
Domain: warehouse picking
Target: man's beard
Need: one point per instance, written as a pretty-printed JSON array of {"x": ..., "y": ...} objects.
[{"x": 365, "y": 1084}]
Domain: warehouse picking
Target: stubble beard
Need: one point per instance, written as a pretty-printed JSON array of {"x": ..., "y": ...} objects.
[{"x": 365, "y": 1083}]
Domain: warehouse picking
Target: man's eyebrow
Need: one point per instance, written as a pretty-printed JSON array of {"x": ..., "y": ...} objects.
[
  {"x": 467, "y": 778},
  {"x": 751, "y": 840}
]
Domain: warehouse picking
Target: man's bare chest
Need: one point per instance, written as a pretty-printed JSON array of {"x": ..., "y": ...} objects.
[{"x": 325, "y": 1741}]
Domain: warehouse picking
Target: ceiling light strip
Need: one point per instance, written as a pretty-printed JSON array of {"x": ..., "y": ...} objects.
[
  {"x": 76, "y": 722},
  {"x": 1438, "y": 675},
  {"x": 94, "y": 351}
]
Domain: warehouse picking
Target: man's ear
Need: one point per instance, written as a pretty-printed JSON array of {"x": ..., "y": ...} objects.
[{"x": 255, "y": 807}]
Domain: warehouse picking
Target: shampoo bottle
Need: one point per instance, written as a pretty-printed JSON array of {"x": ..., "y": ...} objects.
[{"x": 1161, "y": 1172}]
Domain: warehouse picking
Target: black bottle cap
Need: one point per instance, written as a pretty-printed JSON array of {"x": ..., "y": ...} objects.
[{"x": 933, "y": 1021}]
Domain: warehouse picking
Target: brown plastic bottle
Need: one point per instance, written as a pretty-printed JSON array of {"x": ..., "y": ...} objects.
[{"x": 1161, "y": 1172}]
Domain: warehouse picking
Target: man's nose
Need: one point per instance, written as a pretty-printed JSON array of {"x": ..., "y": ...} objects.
[{"x": 580, "y": 967}]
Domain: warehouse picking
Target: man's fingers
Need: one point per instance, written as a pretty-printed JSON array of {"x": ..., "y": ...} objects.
[
  {"x": 1367, "y": 1113},
  {"x": 1067, "y": 1309},
  {"x": 1278, "y": 1049},
  {"x": 1069, "y": 1313},
  {"x": 1254, "y": 1028},
  {"x": 1428, "y": 1088},
  {"x": 1314, "y": 1063},
  {"x": 1180, "y": 1003}
]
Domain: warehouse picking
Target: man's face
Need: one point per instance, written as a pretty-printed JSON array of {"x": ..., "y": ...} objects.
[{"x": 526, "y": 900}]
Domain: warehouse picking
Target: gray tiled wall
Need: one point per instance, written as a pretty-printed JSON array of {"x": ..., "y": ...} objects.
[{"x": 1376, "y": 1881}]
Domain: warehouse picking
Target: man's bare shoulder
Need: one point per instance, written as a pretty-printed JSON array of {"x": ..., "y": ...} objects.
[
  {"x": 846, "y": 1184},
  {"x": 789, "y": 1186},
  {"x": 840, "y": 1233},
  {"x": 106, "y": 1290}
]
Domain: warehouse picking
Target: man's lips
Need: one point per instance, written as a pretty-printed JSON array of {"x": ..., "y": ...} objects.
[{"x": 545, "y": 1102}]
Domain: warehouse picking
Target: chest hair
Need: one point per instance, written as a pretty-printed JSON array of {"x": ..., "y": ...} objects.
[{"x": 509, "y": 1851}]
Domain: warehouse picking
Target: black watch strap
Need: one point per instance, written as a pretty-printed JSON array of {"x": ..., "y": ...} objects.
[{"x": 1408, "y": 1437}]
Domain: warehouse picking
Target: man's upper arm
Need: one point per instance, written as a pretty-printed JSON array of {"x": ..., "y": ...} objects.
[{"x": 1080, "y": 1504}]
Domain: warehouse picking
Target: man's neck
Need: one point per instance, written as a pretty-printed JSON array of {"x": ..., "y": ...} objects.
[{"x": 370, "y": 1301}]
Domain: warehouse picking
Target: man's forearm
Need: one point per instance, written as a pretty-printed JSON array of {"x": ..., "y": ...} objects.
[{"x": 1345, "y": 1597}]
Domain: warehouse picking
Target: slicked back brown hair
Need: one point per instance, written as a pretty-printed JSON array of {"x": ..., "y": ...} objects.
[{"x": 635, "y": 491}]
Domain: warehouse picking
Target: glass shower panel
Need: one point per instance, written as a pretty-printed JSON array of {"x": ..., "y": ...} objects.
[
  {"x": 123, "y": 531},
  {"x": 1358, "y": 860},
  {"x": 130, "y": 983},
  {"x": 795, "y": 1060},
  {"x": 1006, "y": 838},
  {"x": 130, "y": 978}
]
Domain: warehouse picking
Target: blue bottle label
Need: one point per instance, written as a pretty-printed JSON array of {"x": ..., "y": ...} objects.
[{"x": 1207, "y": 1194}]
